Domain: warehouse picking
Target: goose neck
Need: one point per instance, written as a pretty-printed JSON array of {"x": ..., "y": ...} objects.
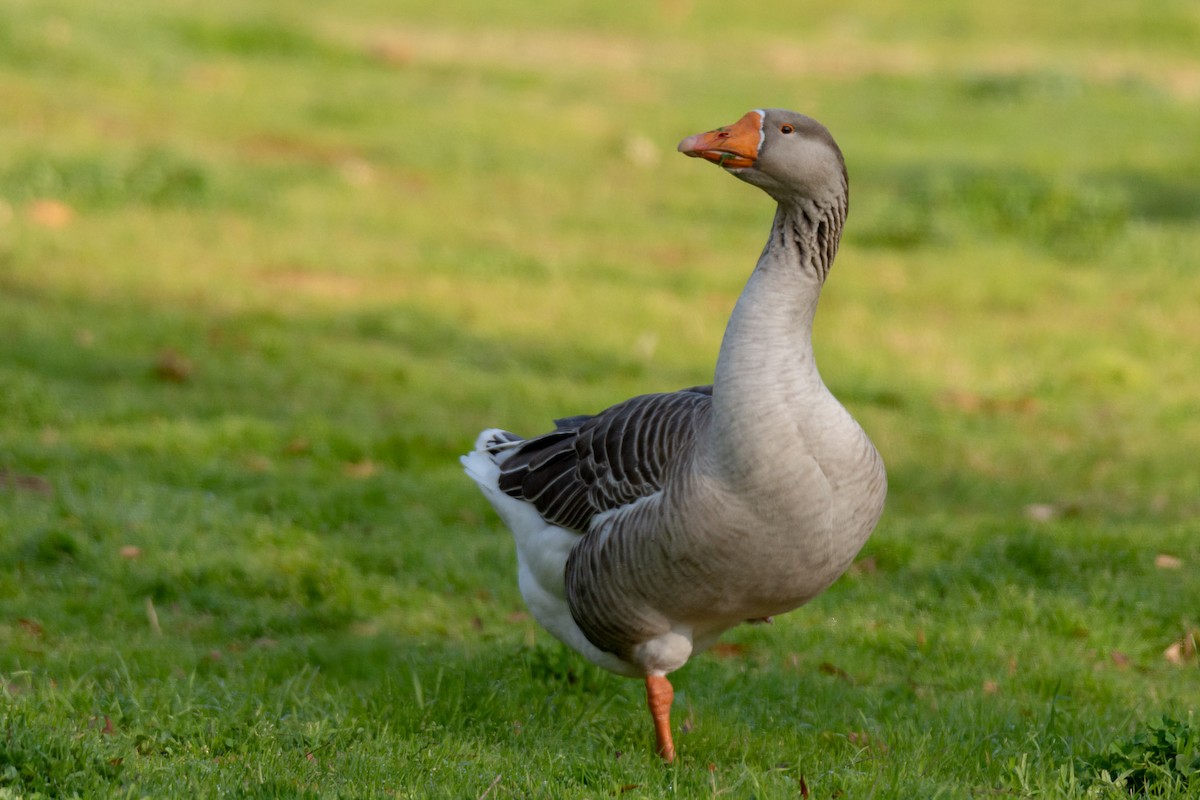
[
  {"x": 766, "y": 369},
  {"x": 771, "y": 324}
]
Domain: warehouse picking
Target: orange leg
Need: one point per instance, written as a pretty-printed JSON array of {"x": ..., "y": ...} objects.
[{"x": 659, "y": 696}]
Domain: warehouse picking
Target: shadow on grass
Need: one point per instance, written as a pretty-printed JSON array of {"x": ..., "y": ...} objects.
[
  {"x": 1156, "y": 197},
  {"x": 1069, "y": 216},
  {"x": 931, "y": 204},
  {"x": 295, "y": 415}
]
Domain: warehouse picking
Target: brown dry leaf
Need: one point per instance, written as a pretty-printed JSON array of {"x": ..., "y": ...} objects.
[
  {"x": 220, "y": 337},
  {"x": 1120, "y": 660},
  {"x": 832, "y": 669},
  {"x": 469, "y": 517},
  {"x": 1183, "y": 650},
  {"x": 356, "y": 171},
  {"x": 864, "y": 566},
  {"x": 171, "y": 365},
  {"x": 391, "y": 52},
  {"x": 803, "y": 787},
  {"x": 920, "y": 637},
  {"x": 1024, "y": 405},
  {"x": 53, "y": 214},
  {"x": 24, "y": 483},
  {"x": 642, "y": 151},
  {"x": 728, "y": 650},
  {"x": 972, "y": 402},
  {"x": 297, "y": 446},
  {"x": 130, "y": 551},
  {"x": 256, "y": 462},
  {"x": 365, "y": 627},
  {"x": 962, "y": 401},
  {"x": 360, "y": 469},
  {"x": 1174, "y": 653},
  {"x": 1041, "y": 512},
  {"x": 1012, "y": 666},
  {"x": 1164, "y": 561},
  {"x": 990, "y": 687},
  {"x": 32, "y": 627},
  {"x": 517, "y": 616}
]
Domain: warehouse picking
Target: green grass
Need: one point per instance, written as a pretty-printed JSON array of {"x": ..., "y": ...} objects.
[{"x": 266, "y": 270}]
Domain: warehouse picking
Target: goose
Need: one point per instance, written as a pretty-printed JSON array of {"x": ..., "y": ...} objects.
[{"x": 647, "y": 530}]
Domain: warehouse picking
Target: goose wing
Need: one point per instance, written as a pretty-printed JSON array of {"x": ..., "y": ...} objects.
[{"x": 589, "y": 465}]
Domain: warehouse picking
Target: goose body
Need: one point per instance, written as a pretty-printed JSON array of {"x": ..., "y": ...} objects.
[{"x": 645, "y": 531}]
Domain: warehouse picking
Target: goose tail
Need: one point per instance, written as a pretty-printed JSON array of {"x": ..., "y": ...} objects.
[{"x": 492, "y": 447}]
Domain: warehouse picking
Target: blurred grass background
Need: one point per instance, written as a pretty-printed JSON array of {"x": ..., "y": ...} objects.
[{"x": 265, "y": 270}]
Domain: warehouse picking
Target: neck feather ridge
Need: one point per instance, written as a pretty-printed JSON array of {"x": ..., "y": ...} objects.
[{"x": 807, "y": 234}]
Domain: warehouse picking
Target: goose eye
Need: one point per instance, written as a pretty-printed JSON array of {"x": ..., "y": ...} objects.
[{"x": 786, "y": 129}]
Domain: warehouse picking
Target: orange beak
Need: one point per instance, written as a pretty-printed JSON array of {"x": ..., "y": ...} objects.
[{"x": 732, "y": 147}]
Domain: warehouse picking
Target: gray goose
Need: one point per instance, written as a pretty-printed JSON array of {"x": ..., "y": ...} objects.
[{"x": 645, "y": 531}]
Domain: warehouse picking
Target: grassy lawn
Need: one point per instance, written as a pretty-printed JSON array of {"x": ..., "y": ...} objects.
[{"x": 266, "y": 270}]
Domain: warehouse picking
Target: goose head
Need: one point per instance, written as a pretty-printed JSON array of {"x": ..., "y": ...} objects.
[{"x": 790, "y": 156}]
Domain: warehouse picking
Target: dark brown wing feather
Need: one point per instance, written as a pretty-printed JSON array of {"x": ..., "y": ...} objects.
[{"x": 591, "y": 464}]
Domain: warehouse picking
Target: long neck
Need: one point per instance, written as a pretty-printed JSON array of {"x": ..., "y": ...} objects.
[{"x": 766, "y": 370}]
